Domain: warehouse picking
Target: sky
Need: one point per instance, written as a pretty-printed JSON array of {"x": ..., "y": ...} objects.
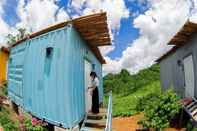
[{"x": 139, "y": 29}]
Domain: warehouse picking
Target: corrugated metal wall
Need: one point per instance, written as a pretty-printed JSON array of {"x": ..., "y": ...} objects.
[
  {"x": 3, "y": 66},
  {"x": 53, "y": 83},
  {"x": 15, "y": 73},
  {"x": 171, "y": 74}
]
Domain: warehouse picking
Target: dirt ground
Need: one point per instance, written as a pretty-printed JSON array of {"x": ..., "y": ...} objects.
[
  {"x": 130, "y": 124},
  {"x": 127, "y": 123}
]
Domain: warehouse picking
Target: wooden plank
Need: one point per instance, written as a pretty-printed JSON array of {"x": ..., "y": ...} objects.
[
  {"x": 98, "y": 18},
  {"x": 92, "y": 27},
  {"x": 89, "y": 34},
  {"x": 93, "y": 30},
  {"x": 98, "y": 41},
  {"x": 98, "y": 37},
  {"x": 100, "y": 21},
  {"x": 92, "y": 129},
  {"x": 175, "y": 40},
  {"x": 91, "y": 16},
  {"x": 91, "y": 24},
  {"x": 96, "y": 122}
]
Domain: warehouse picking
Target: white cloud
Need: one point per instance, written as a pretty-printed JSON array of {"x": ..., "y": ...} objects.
[
  {"x": 62, "y": 15},
  {"x": 37, "y": 14},
  {"x": 2, "y": 3},
  {"x": 116, "y": 11},
  {"x": 157, "y": 26},
  {"x": 4, "y": 28},
  {"x": 193, "y": 9}
]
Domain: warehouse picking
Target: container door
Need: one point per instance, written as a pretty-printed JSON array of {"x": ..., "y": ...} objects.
[
  {"x": 88, "y": 99},
  {"x": 189, "y": 76},
  {"x": 15, "y": 73}
]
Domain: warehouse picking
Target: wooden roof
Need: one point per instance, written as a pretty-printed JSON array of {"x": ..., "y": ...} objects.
[
  {"x": 92, "y": 28},
  {"x": 183, "y": 35},
  {"x": 181, "y": 38}
]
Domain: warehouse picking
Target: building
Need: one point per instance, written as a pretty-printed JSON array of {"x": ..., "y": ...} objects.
[
  {"x": 49, "y": 70},
  {"x": 178, "y": 67},
  {"x": 4, "y": 54}
]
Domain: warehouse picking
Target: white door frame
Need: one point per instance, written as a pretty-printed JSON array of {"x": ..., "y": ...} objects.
[
  {"x": 189, "y": 76},
  {"x": 87, "y": 82}
]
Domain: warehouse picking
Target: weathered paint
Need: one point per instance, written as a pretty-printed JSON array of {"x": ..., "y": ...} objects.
[
  {"x": 171, "y": 74},
  {"x": 52, "y": 88},
  {"x": 3, "y": 65}
]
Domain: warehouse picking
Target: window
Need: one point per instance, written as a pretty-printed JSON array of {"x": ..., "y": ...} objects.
[
  {"x": 93, "y": 66},
  {"x": 10, "y": 60},
  {"x": 48, "y": 60}
]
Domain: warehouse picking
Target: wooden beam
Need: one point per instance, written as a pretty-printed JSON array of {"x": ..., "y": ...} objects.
[
  {"x": 90, "y": 16},
  {"x": 96, "y": 36}
]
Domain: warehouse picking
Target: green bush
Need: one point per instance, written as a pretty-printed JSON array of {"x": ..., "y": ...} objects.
[
  {"x": 143, "y": 101},
  {"x": 124, "y": 83},
  {"x": 30, "y": 127},
  {"x": 159, "y": 112},
  {"x": 3, "y": 89},
  {"x": 30, "y": 123},
  {"x": 6, "y": 122}
]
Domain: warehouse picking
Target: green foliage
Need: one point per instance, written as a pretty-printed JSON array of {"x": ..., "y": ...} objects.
[
  {"x": 129, "y": 90},
  {"x": 161, "y": 110},
  {"x": 6, "y": 122},
  {"x": 190, "y": 126},
  {"x": 30, "y": 124},
  {"x": 126, "y": 105},
  {"x": 30, "y": 127},
  {"x": 3, "y": 91},
  {"x": 146, "y": 100},
  {"x": 21, "y": 34},
  {"x": 124, "y": 84}
]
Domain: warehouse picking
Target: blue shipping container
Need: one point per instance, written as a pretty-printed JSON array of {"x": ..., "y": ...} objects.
[{"x": 46, "y": 76}]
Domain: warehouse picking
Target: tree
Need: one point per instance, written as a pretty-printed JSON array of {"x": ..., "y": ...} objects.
[{"x": 21, "y": 34}]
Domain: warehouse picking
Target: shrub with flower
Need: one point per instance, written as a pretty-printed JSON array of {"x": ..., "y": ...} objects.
[{"x": 30, "y": 123}]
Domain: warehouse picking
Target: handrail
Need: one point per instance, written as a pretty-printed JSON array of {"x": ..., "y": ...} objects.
[{"x": 109, "y": 114}]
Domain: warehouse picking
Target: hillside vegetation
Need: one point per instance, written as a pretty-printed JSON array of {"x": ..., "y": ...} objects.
[{"x": 129, "y": 89}]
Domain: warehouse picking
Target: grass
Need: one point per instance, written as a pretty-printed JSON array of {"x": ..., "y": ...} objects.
[
  {"x": 126, "y": 105},
  {"x": 7, "y": 116},
  {"x": 5, "y": 120}
]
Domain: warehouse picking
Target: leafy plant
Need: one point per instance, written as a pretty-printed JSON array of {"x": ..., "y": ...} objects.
[
  {"x": 3, "y": 91},
  {"x": 21, "y": 34},
  {"x": 144, "y": 101},
  {"x": 161, "y": 110},
  {"x": 30, "y": 124},
  {"x": 6, "y": 122}
]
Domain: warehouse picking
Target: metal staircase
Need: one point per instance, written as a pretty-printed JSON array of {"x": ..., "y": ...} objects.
[
  {"x": 101, "y": 121},
  {"x": 191, "y": 108}
]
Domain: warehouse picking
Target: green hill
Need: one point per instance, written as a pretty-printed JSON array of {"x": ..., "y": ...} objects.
[{"x": 128, "y": 89}]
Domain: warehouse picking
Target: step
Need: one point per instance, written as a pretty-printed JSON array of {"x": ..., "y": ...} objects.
[
  {"x": 95, "y": 123},
  {"x": 192, "y": 108},
  {"x": 195, "y": 117},
  {"x": 103, "y": 110},
  {"x": 191, "y": 105},
  {"x": 194, "y": 112},
  {"x": 91, "y": 129},
  {"x": 96, "y": 116}
]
